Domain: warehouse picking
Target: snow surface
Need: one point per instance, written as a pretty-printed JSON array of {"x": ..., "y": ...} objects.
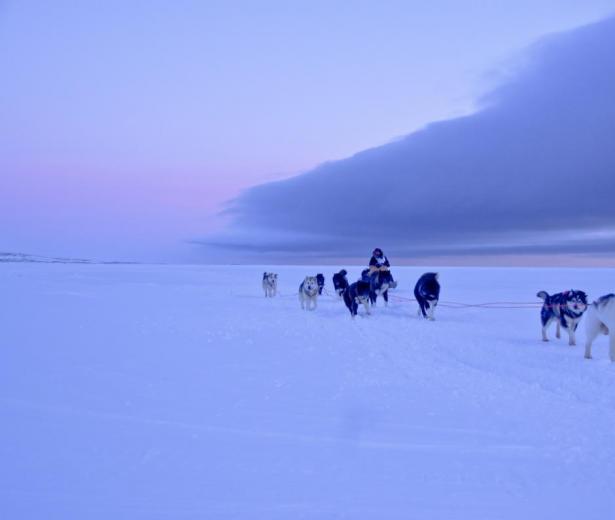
[{"x": 180, "y": 392}]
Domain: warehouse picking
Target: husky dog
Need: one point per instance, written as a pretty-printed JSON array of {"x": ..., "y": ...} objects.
[
  {"x": 600, "y": 318},
  {"x": 355, "y": 293},
  {"x": 427, "y": 294},
  {"x": 340, "y": 282},
  {"x": 566, "y": 308},
  {"x": 379, "y": 284},
  {"x": 320, "y": 279},
  {"x": 308, "y": 293},
  {"x": 270, "y": 284}
]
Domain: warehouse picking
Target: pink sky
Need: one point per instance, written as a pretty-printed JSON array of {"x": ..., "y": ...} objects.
[{"x": 126, "y": 127}]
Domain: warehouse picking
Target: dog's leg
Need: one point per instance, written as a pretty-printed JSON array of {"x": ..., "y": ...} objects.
[
  {"x": 430, "y": 311},
  {"x": 571, "y": 327},
  {"x": 546, "y": 317},
  {"x": 558, "y": 331},
  {"x": 545, "y": 326},
  {"x": 422, "y": 304},
  {"x": 572, "y": 339},
  {"x": 385, "y": 295},
  {"x": 593, "y": 327},
  {"x": 315, "y": 303},
  {"x": 612, "y": 346},
  {"x": 592, "y": 331}
]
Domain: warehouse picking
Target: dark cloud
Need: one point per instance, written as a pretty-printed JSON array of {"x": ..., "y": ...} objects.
[{"x": 537, "y": 161}]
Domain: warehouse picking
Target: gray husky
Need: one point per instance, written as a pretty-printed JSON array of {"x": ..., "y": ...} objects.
[
  {"x": 308, "y": 293},
  {"x": 270, "y": 284}
]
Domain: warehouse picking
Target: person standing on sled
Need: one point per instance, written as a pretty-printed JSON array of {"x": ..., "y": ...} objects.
[{"x": 378, "y": 262}]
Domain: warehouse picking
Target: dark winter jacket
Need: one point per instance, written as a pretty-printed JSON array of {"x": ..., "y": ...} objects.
[{"x": 379, "y": 262}]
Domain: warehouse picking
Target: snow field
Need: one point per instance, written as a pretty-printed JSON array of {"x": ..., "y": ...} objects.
[{"x": 181, "y": 392}]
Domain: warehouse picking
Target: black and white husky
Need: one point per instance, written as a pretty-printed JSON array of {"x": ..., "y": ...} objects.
[
  {"x": 320, "y": 279},
  {"x": 600, "y": 319},
  {"x": 427, "y": 294},
  {"x": 308, "y": 293},
  {"x": 566, "y": 309},
  {"x": 379, "y": 282},
  {"x": 270, "y": 284},
  {"x": 340, "y": 282},
  {"x": 356, "y": 293}
]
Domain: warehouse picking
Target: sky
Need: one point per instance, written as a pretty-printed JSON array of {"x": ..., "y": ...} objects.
[
  {"x": 530, "y": 172},
  {"x": 127, "y": 127}
]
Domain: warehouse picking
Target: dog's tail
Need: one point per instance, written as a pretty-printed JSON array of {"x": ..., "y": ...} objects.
[{"x": 543, "y": 295}]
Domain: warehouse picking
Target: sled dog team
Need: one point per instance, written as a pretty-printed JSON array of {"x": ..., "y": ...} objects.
[
  {"x": 565, "y": 309},
  {"x": 375, "y": 281}
]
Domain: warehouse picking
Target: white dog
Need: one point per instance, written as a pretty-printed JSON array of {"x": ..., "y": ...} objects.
[
  {"x": 600, "y": 318},
  {"x": 308, "y": 293},
  {"x": 270, "y": 284}
]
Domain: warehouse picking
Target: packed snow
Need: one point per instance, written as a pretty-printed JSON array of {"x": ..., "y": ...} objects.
[{"x": 181, "y": 392}]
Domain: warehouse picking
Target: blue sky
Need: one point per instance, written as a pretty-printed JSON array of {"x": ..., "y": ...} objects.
[{"x": 127, "y": 126}]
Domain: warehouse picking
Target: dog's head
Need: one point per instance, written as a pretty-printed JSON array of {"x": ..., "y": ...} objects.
[
  {"x": 340, "y": 281},
  {"x": 270, "y": 279},
  {"x": 363, "y": 287},
  {"x": 431, "y": 287},
  {"x": 320, "y": 279},
  {"x": 361, "y": 290},
  {"x": 382, "y": 279},
  {"x": 576, "y": 301},
  {"x": 310, "y": 284}
]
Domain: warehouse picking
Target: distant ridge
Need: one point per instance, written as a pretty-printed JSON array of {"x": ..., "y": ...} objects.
[{"x": 6, "y": 257}]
